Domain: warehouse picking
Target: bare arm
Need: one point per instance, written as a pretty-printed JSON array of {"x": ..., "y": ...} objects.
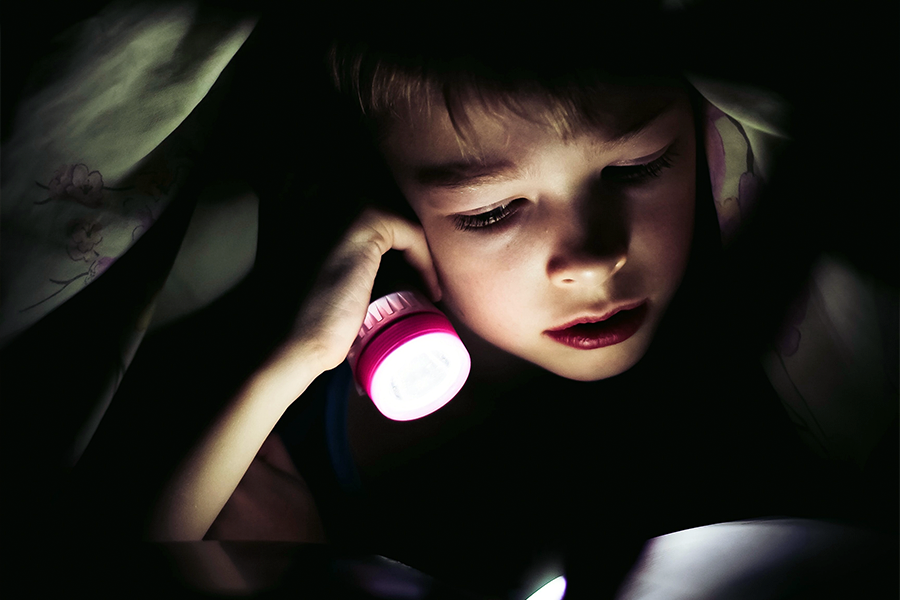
[
  {"x": 325, "y": 329},
  {"x": 206, "y": 479}
]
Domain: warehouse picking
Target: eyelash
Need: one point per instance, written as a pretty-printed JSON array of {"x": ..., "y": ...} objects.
[
  {"x": 632, "y": 174},
  {"x": 484, "y": 220}
]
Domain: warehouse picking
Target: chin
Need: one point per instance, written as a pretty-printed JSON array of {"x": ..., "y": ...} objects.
[
  {"x": 602, "y": 365},
  {"x": 595, "y": 374}
]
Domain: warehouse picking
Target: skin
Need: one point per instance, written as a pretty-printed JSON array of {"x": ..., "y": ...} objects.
[{"x": 576, "y": 246}]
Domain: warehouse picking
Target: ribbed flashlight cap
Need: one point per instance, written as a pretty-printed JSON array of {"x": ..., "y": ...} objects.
[
  {"x": 384, "y": 311},
  {"x": 407, "y": 357}
]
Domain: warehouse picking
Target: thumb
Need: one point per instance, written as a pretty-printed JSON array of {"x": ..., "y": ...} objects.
[
  {"x": 409, "y": 238},
  {"x": 418, "y": 255}
]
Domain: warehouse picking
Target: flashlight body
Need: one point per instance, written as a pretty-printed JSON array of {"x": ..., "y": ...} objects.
[{"x": 407, "y": 356}]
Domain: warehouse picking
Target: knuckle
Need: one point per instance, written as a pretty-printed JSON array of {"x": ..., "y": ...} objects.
[{"x": 378, "y": 232}]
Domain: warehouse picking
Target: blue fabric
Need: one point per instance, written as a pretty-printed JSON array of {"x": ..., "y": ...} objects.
[
  {"x": 337, "y": 392},
  {"x": 314, "y": 431}
]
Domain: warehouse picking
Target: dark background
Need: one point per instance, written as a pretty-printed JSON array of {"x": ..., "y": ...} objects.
[{"x": 839, "y": 67}]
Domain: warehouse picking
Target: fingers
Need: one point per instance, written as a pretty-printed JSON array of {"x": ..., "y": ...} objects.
[
  {"x": 391, "y": 232},
  {"x": 331, "y": 316}
]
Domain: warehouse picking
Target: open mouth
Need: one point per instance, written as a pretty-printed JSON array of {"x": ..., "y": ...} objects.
[{"x": 614, "y": 330}]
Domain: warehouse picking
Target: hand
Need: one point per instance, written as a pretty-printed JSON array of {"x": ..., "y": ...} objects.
[{"x": 330, "y": 318}]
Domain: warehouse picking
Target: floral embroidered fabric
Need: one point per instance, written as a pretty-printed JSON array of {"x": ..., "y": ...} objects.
[{"x": 99, "y": 151}]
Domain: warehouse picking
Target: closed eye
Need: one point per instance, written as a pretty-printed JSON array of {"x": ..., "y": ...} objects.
[
  {"x": 486, "y": 220},
  {"x": 636, "y": 174}
]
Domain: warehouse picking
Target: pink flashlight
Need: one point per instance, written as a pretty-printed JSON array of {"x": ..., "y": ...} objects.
[{"x": 407, "y": 357}]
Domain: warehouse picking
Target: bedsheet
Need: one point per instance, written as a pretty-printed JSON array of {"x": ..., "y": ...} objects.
[
  {"x": 99, "y": 151},
  {"x": 100, "y": 146}
]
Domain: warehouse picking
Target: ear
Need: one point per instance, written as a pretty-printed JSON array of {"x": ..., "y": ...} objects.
[{"x": 411, "y": 269}]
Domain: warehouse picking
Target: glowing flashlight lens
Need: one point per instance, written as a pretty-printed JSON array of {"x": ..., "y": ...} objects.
[
  {"x": 420, "y": 376},
  {"x": 408, "y": 358}
]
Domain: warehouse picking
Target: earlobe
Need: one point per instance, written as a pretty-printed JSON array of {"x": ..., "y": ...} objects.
[
  {"x": 433, "y": 281},
  {"x": 437, "y": 293},
  {"x": 428, "y": 271}
]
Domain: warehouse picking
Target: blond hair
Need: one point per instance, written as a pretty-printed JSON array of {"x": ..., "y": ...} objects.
[{"x": 385, "y": 81}]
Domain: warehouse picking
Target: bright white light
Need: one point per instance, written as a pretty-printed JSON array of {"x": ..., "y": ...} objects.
[
  {"x": 554, "y": 590},
  {"x": 420, "y": 376},
  {"x": 765, "y": 558}
]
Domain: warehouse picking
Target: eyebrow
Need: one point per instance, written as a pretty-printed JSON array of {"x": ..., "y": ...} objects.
[
  {"x": 459, "y": 174},
  {"x": 463, "y": 173}
]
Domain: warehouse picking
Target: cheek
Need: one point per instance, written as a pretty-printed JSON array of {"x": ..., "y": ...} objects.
[
  {"x": 684, "y": 214},
  {"x": 468, "y": 281},
  {"x": 466, "y": 277},
  {"x": 484, "y": 287},
  {"x": 671, "y": 229}
]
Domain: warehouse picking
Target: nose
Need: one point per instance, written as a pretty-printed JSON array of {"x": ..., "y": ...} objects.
[
  {"x": 580, "y": 268},
  {"x": 590, "y": 247}
]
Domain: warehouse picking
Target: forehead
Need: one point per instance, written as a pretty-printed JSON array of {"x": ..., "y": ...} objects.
[{"x": 435, "y": 145}]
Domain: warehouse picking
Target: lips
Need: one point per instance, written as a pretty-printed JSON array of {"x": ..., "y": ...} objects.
[{"x": 590, "y": 333}]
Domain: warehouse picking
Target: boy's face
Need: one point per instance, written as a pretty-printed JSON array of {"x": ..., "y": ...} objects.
[{"x": 565, "y": 253}]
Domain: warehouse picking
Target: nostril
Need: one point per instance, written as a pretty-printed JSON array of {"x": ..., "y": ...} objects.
[{"x": 576, "y": 270}]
